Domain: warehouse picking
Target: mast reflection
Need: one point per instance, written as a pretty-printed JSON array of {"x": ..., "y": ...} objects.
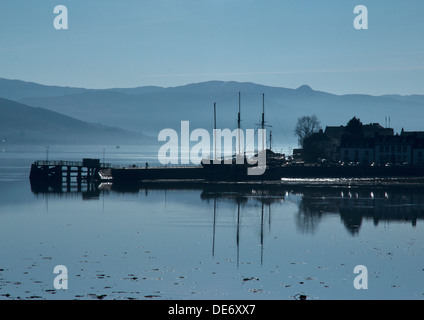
[{"x": 353, "y": 203}]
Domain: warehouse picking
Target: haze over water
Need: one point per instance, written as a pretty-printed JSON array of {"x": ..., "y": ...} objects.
[{"x": 202, "y": 242}]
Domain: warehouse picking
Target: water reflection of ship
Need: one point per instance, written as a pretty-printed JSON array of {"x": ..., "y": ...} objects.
[
  {"x": 353, "y": 203},
  {"x": 240, "y": 200}
]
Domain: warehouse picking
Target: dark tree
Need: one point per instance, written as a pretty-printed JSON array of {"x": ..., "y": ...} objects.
[
  {"x": 354, "y": 127},
  {"x": 305, "y": 127}
]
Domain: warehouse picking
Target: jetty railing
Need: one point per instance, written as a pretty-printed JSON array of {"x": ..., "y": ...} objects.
[{"x": 66, "y": 163}]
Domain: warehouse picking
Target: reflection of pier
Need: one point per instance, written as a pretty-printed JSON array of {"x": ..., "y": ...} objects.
[
  {"x": 353, "y": 201},
  {"x": 88, "y": 190}
]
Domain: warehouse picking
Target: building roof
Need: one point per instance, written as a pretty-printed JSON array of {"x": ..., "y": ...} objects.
[{"x": 369, "y": 130}]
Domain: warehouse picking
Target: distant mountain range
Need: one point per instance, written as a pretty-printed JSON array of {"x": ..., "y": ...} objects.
[
  {"x": 150, "y": 109},
  {"x": 21, "y": 124}
]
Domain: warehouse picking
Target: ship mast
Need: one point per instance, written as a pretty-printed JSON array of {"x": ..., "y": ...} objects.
[
  {"x": 214, "y": 131},
  {"x": 239, "y": 127},
  {"x": 263, "y": 111},
  {"x": 263, "y": 124},
  {"x": 270, "y": 139}
]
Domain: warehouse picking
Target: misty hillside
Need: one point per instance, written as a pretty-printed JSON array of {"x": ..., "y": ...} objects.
[
  {"x": 20, "y": 123},
  {"x": 150, "y": 109},
  {"x": 17, "y": 89}
]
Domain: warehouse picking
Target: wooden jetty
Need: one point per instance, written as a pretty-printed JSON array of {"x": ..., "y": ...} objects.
[{"x": 58, "y": 172}]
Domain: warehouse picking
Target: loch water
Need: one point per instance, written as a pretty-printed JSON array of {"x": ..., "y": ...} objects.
[{"x": 179, "y": 241}]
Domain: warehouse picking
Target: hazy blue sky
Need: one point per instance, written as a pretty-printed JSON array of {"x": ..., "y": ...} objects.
[{"x": 284, "y": 43}]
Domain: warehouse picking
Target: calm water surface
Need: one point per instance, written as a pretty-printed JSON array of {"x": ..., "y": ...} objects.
[{"x": 204, "y": 242}]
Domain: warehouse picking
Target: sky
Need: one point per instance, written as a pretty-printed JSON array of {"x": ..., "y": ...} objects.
[{"x": 283, "y": 43}]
